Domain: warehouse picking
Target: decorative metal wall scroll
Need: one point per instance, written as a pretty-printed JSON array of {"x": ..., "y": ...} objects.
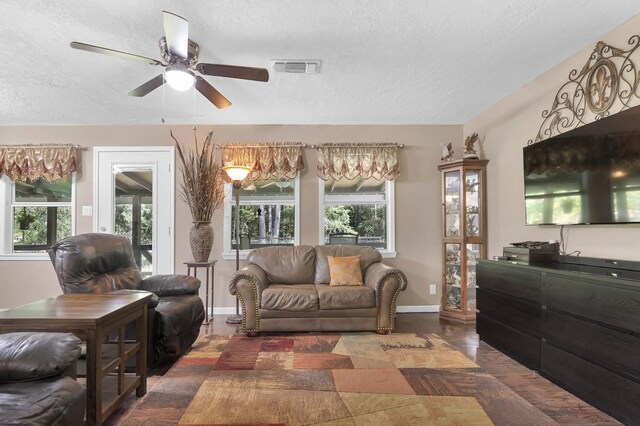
[{"x": 607, "y": 83}]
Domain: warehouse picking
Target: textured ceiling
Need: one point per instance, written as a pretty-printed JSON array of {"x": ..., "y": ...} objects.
[{"x": 383, "y": 62}]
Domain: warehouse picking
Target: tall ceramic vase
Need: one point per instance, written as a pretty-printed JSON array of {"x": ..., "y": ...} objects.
[{"x": 201, "y": 241}]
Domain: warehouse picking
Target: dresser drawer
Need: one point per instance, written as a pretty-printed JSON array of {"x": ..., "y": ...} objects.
[
  {"x": 594, "y": 343},
  {"x": 593, "y": 299},
  {"x": 509, "y": 279},
  {"x": 516, "y": 313},
  {"x": 518, "y": 345},
  {"x": 607, "y": 391}
]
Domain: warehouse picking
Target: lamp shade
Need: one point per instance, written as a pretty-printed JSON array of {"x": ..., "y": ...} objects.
[
  {"x": 179, "y": 78},
  {"x": 237, "y": 172}
]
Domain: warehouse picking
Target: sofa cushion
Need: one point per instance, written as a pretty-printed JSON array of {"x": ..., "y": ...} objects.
[
  {"x": 286, "y": 265},
  {"x": 53, "y": 401},
  {"x": 288, "y": 297},
  {"x": 368, "y": 255},
  {"x": 36, "y": 355},
  {"x": 345, "y": 270},
  {"x": 347, "y": 297}
]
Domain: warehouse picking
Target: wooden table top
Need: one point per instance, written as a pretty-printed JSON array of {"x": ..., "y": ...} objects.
[{"x": 80, "y": 308}]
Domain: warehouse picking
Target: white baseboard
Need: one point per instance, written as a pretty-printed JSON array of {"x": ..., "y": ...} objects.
[
  {"x": 224, "y": 311},
  {"x": 418, "y": 308},
  {"x": 401, "y": 309}
]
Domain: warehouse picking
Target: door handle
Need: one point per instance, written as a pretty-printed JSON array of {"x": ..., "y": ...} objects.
[{"x": 103, "y": 229}]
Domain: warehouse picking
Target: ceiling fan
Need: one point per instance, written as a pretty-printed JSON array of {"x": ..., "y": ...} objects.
[{"x": 182, "y": 66}]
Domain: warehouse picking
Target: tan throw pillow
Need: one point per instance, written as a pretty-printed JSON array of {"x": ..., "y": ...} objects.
[{"x": 344, "y": 271}]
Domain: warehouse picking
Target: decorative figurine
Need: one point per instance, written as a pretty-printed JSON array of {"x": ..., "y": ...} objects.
[
  {"x": 471, "y": 185},
  {"x": 452, "y": 257},
  {"x": 472, "y": 228},
  {"x": 469, "y": 150},
  {"x": 447, "y": 151}
]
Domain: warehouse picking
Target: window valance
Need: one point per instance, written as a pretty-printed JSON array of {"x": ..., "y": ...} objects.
[
  {"x": 267, "y": 161},
  {"x": 51, "y": 162},
  {"x": 377, "y": 161}
]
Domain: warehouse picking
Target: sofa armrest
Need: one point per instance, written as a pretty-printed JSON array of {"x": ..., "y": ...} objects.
[
  {"x": 251, "y": 273},
  {"x": 387, "y": 282},
  {"x": 247, "y": 284},
  {"x": 36, "y": 355},
  {"x": 171, "y": 285}
]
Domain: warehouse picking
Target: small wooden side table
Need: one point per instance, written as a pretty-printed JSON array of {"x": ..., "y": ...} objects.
[{"x": 210, "y": 267}]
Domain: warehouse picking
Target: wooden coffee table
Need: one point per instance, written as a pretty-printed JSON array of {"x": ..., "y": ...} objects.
[{"x": 92, "y": 317}]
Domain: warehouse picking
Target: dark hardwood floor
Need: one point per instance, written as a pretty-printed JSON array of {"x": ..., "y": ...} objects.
[{"x": 558, "y": 404}]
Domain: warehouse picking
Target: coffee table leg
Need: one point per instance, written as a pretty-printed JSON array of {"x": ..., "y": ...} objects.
[
  {"x": 141, "y": 356},
  {"x": 94, "y": 382}
]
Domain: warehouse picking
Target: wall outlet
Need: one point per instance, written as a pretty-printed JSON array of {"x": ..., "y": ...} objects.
[
  {"x": 432, "y": 289},
  {"x": 87, "y": 211}
]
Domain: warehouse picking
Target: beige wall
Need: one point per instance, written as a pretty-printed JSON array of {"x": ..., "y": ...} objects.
[
  {"x": 505, "y": 129},
  {"x": 417, "y": 196}
]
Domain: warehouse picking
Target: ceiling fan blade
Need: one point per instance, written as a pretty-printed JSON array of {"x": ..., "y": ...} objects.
[
  {"x": 115, "y": 53},
  {"x": 148, "y": 87},
  {"x": 176, "y": 30},
  {"x": 211, "y": 93},
  {"x": 234, "y": 71}
]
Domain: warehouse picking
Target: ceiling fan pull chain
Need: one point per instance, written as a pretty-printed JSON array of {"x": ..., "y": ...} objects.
[
  {"x": 162, "y": 119},
  {"x": 193, "y": 90}
]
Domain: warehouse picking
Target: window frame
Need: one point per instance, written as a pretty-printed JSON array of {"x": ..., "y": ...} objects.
[
  {"x": 228, "y": 253},
  {"x": 390, "y": 202},
  {"x": 6, "y": 219}
]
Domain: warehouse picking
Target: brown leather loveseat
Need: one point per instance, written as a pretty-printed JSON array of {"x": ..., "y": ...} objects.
[{"x": 287, "y": 289}]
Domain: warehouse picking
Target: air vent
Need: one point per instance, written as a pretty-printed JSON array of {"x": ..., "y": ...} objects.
[{"x": 296, "y": 66}]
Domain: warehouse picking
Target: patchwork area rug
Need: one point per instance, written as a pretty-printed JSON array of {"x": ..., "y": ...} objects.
[{"x": 346, "y": 379}]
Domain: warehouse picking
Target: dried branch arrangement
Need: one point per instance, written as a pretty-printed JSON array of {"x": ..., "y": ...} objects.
[{"x": 202, "y": 187}]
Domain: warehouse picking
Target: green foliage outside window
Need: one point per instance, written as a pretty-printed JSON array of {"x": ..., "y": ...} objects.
[
  {"x": 366, "y": 220},
  {"x": 36, "y": 232},
  {"x": 124, "y": 222},
  {"x": 265, "y": 222},
  {"x": 338, "y": 219}
]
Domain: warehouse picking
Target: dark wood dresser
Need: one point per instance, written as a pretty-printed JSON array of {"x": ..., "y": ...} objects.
[{"x": 576, "y": 323}]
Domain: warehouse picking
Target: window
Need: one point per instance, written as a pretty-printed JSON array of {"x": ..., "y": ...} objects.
[
  {"x": 269, "y": 215},
  {"x": 133, "y": 216},
  {"x": 37, "y": 214},
  {"x": 358, "y": 211}
]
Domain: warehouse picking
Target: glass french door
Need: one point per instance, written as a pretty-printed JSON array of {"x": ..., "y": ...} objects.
[{"x": 134, "y": 197}]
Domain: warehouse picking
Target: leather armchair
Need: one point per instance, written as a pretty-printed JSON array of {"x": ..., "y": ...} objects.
[
  {"x": 286, "y": 289},
  {"x": 37, "y": 385},
  {"x": 101, "y": 263}
]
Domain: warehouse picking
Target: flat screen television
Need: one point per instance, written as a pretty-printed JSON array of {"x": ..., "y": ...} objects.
[{"x": 589, "y": 175}]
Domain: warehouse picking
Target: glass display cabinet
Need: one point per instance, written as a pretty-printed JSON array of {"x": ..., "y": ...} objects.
[{"x": 464, "y": 233}]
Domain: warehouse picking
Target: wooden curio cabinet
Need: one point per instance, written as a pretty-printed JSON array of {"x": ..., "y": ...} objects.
[{"x": 464, "y": 236}]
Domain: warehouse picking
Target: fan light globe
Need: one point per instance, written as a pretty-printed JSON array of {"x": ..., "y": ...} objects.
[
  {"x": 237, "y": 173},
  {"x": 179, "y": 79}
]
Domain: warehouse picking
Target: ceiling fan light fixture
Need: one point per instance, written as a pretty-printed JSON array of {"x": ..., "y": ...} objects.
[{"x": 179, "y": 78}]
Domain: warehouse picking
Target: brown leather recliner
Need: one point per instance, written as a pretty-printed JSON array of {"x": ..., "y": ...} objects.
[
  {"x": 287, "y": 289},
  {"x": 37, "y": 386},
  {"x": 101, "y": 263}
]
